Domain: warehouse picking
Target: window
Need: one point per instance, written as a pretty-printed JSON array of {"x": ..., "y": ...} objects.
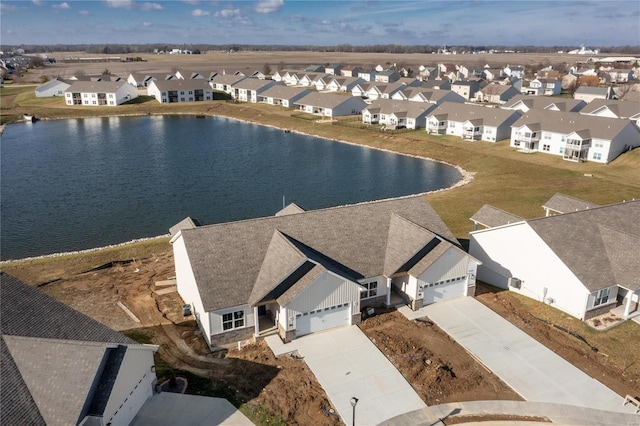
[
  {"x": 372, "y": 290},
  {"x": 561, "y": 150},
  {"x": 233, "y": 320},
  {"x": 598, "y": 145},
  {"x": 564, "y": 138},
  {"x": 602, "y": 297},
  {"x": 546, "y": 147},
  {"x": 547, "y": 136},
  {"x": 597, "y": 156},
  {"x": 516, "y": 143},
  {"x": 452, "y": 124}
]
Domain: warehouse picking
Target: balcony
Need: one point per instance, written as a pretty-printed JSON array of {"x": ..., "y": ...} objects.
[
  {"x": 473, "y": 134},
  {"x": 528, "y": 137},
  {"x": 576, "y": 150}
]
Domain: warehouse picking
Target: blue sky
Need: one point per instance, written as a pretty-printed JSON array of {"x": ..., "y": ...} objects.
[{"x": 327, "y": 22}]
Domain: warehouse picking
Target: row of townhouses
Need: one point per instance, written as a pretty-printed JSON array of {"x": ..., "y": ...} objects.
[{"x": 470, "y": 109}]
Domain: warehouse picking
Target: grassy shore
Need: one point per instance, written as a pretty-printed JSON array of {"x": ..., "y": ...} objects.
[{"x": 513, "y": 181}]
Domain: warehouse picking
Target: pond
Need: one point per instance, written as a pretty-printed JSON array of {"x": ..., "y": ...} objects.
[{"x": 75, "y": 184}]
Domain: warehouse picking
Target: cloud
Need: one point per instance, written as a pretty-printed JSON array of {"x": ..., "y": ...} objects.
[
  {"x": 269, "y": 6},
  {"x": 146, "y": 24},
  {"x": 199, "y": 12},
  {"x": 119, "y": 4},
  {"x": 38, "y": 2},
  {"x": 84, "y": 12},
  {"x": 151, "y": 6},
  {"x": 63, "y": 5},
  {"x": 7, "y": 8},
  {"x": 191, "y": 2},
  {"x": 228, "y": 13}
]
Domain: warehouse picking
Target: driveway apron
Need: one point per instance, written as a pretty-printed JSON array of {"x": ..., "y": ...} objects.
[
  {"x": 528, "y": 367},
  {"x": 347, "y": 364}
]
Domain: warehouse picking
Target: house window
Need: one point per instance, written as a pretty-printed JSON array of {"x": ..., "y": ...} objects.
[
  {"x": 372, "y": 290},
  {"x": 602, "y": 297},
  {"x": 547, "y": 136},
  {"x": 233, "y": 320},
  {"x": 452, "y": 124},
  {"x": 597, "y": 156},
  {"x": 546, "y": 147},
  {"x": 516, "y": 143},
  {"x": 563, "y": 139},
  {"x": 598, "y": 144}
]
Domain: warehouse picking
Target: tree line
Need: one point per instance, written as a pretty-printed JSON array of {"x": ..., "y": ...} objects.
[{"x": 117, "y": 49}]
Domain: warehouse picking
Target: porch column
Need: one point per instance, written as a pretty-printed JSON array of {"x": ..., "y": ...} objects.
[
  {"x": 388, "y": 291},
  {"x": 627, "y": 308},
  {"x": 256, "y": 320}
]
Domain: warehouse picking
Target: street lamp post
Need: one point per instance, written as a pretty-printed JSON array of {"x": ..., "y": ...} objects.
[{"x": 354, "y": 402}]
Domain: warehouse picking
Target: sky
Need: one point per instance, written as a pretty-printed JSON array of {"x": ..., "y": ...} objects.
[{"x": 322, "y": 22}]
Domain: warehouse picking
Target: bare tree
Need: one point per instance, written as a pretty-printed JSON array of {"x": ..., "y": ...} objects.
[{"x": 266, "y": 69}]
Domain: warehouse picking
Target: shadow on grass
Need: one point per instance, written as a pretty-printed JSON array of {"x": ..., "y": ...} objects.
[{"x": 142, "y": 99}]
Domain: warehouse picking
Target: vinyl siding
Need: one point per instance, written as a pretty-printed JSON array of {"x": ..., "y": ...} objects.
[{"x": 326, "y": 291}]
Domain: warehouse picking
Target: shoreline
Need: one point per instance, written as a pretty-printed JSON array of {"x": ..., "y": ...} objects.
[
  {"x": 83, "y": 251},
  {"x": 466, "y": 177}
]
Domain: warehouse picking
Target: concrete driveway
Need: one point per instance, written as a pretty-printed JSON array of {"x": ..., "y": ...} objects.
[
  {"x": 528, "y": 367},
  {"x": 347, "y": 364}
]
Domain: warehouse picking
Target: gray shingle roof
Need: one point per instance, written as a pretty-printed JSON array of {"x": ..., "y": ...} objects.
[
  {"x": 292, "y": 208},
  {"x": 327, "y": 100},
  {"x": 567, "y": 122},
  {"x": 622, "y": 109},
  {"x": 392, "y": 106},
  {"x": 490, "y": 217},
  {"x": 280, "y": 91},
  {"x": 562, "y": 203},
  {"x": 251, "y": 83},
  {"x": 177, "y": 84},
  {"x": 38, "y": 328},
  {"x": 599, "y": 245},
  {"x": 544, "y": 102},
  {"x": 227, "y": 258},
  {"x": 95, "y": 86},
  {"x": 455, "y": 111}
]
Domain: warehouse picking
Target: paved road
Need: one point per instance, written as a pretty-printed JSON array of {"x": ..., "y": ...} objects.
[
  {"x": 347, "y": 365},
  {"x": 528, "y": 367}
]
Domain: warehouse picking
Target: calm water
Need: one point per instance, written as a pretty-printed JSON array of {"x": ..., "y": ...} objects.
[{"x": 75, "y": 184}]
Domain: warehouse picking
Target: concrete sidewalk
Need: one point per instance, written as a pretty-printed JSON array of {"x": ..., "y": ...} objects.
[
  {"x": 347, "y": 364},
  {"x": 559, "y": 414},
  {"x": 528, "y": 367}
]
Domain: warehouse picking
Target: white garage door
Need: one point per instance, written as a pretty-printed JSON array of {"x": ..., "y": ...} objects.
[
  {"x": 322, "y": 319},
  {"x": 436, "y": 292}
]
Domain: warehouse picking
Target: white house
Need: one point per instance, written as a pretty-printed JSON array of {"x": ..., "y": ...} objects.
[
  {"x": 330, "y": 104},
  {"x": 526, "y": 102},
  {"x": 574, "y": 136},
  {"x": 224, "y": 82},
  {"x": 583, "y": 262},
  {"x": 431, "y": 96},
  {"x": 60, "y": 367},
  {"x": 496, "y": 93},
  {"x": 170, "y": 91},
  {"x": 472, "y": 122},
  {"x": 55, "y": 87},
  {"x": 629, "y": 110},
  {"x": 343, "y": 84},
  {"x": 588, "y": 94},
  {"x": 303, "y": 272},
  {"x": 283, "y": 95},
  {"x": 562, "y": 203},
  {"x": 249, "y": 89},
  {"x": 99, "y": 93},
  {"x": 397, "y": 114},
  {"x": 543, "y": 86}
]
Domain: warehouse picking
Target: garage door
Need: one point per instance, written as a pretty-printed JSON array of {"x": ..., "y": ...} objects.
[
  {"x": 443, "y": 290},
  {"x": 322, "y": 319}
]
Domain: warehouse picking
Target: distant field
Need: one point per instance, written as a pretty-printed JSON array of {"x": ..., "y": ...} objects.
[{"x": 252, "y": 61}]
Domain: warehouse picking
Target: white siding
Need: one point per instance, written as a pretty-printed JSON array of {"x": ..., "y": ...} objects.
[
  {"x": 326, "y": 291},
  {"x": 517, "y": 251},
  {"x": 186, "y": 285},
  {"x": 215, "y": 318},
  {"x": 408, "y": 285},
  {"x": 133, "y": 386},
  {"x": 629, "y": 136}
]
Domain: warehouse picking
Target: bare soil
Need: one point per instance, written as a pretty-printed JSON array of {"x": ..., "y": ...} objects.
[{"x": 439, "y": 369}]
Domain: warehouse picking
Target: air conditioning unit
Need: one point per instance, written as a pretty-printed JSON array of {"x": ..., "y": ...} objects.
[{"x": 515, "y": 282}]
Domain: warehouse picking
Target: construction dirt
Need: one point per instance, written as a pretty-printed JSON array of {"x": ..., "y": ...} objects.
[{"x": 438, "y": 368}]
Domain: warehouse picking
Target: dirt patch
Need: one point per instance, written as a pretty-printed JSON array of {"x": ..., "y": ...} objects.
[{"x": 437, "y": 367}]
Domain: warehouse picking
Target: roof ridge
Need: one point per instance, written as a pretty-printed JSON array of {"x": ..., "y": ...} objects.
[{"x": 583, "y": 211}]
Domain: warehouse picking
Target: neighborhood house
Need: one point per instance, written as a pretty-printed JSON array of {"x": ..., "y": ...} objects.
[{"x": 300, "y": 272}]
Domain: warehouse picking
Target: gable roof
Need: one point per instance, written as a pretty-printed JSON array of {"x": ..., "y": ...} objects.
[
  {"x": 562, "y": 203},
  {"x": 490, "y": 217},
  {"x": 621, "y": 109},
  {"x": 327, "y": 100},
  {"x": 544, "y": 102},
  {"x": 252, "y": 83},
  {"x": 34, "y": 325},
  {"x": 454, "y": 111},
  {"x": 611, "y": 231},
  {"x": 392, "y": 106},
  {"x": 53, "y": 83},
  {"x": 178, "y": 84},
  {"x": 281, "y": 91},
  {"x": 95, "y": 86},
  {"x": 227, "y": 259},
  {"x": 567, "y": 122}
]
